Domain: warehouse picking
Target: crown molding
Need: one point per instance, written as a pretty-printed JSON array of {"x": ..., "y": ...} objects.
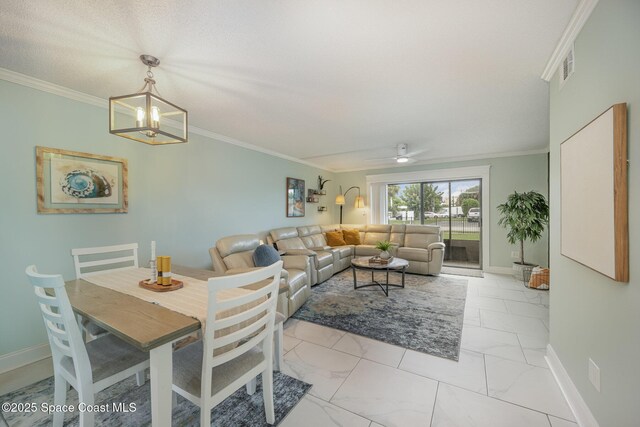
[
  {"x": 452, "y": 159},
  {"x": 65, "y": 92},
  {"x": 233, "y": 141},
  {"x": 577, "y": 21}
]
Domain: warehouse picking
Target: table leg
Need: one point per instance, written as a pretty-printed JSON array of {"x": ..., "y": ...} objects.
[
  {"x": 355, "y": 280},
  {"x": 161, "y": 370}
]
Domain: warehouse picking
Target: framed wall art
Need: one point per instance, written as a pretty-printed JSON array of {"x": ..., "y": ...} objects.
[
  {"x": 594, "y": 228},
  {"x": 74, "y": 182},
  {"x": 295, "y": 197}
]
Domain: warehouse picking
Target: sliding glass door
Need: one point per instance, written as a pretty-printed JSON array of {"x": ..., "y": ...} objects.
[{"x": 453, "y": 205}]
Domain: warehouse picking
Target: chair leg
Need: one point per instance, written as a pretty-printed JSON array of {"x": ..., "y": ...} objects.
[
  {"x": 251, "y": 386},
  {"x": 278, "y": 339},
  {"x": 85, "y": 395},
  {"x": 59, "y": 398},
  {"x": 267, "y": 395},
  {"x": 140, "y": 378},
  {"x": 205, "y": 415}
]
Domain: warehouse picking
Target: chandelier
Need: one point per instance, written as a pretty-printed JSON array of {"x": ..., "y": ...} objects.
[{"x": 144, "y": 116}]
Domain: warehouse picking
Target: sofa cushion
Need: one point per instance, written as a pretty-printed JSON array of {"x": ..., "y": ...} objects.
[
  {"x": 291, "y": 243},
  {"x": 414, "y": 254},
  {"x": 351, "y": 237},
  {"x": 371, "y": 238},
  {"x": 335, "y": 238},
  {"x": 378, "y": 228},
  {"x": 419, "y": 240},
  {"x": 265, "y": 255},
  {"x": 344, "y": 251},
  {"x": 324, "y": 259},
  {"x": 284, "y": 233},
  {"x": 297, "y": 280},
  {"x": 366, "y": 250},
  {"x": 330, "y": 227},
  {"x": 234, "y": 244},
  {"x": 239, "y": 260}
]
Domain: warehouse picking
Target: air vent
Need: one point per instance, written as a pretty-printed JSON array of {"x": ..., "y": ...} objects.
[{"x": 568, "y": 67}]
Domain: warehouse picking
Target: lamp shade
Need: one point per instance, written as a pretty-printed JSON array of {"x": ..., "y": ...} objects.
[
  {"x": 359, "y": 202},
  {"x": 340, "y": 199}
]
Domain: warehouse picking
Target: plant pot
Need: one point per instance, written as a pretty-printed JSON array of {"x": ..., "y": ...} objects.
[
  {"x": 518, "y": 269},
  {"x": 385, "y": 255}
]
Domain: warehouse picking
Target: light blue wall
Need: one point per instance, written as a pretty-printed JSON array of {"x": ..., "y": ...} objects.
[
  {"x": 508, "y": 174},
  {"x": 183, "y": 196},
  {"x": 591, "y": 315}
]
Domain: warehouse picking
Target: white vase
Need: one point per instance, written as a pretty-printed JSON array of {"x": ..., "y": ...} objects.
[{"x": 385, "y": 255}]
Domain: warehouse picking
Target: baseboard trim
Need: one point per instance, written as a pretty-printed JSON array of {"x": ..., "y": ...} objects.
[
  {"x": 578, "y": 406},
  {"x": 26, "y": 356},
  {"x": 498, "y": 270}
]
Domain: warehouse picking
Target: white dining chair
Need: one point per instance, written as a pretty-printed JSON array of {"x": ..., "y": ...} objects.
[
  {"x": 92, "y": 261},
  {"x": 90, "y": 367},
  {"x": 210, "y": 370}
]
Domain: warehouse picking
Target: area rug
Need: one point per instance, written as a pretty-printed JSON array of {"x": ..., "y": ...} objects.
[
  {"x": 239, "y": 409},
  {"x": 425, "y": 316},
  {"x": 470, "y": 272}
]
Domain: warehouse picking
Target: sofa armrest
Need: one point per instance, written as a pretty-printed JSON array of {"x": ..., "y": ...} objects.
[
  {"x": 436, "y": 245},
  {"x": 299, "y": 262},
  {"x": 321, "y": 248}
]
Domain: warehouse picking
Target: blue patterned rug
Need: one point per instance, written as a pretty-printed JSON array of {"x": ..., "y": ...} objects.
[
  {"x": 239, "y": 409},
  {"x": 425, "y": 316}
]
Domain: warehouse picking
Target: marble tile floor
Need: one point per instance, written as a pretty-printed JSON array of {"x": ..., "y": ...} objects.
[{"x": 502, "y": 378}]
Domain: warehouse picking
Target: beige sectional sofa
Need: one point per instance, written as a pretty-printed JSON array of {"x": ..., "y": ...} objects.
[
  {"x": 419, "y": 244},
  {"x": 308, "y": 260},
  {"x": 234, "y": 254}
]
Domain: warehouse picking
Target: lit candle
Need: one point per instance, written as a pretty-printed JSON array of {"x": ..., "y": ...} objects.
[{"x": 153, "y": 249}]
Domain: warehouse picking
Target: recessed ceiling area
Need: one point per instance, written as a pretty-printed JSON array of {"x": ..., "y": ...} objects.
[{"x": 336, "y": 83}]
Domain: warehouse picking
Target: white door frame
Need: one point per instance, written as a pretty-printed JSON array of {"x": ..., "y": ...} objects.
[{"x": 376, "y": 187}]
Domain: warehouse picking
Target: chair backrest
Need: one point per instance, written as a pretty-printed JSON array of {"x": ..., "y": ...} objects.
[
  {"x": 251, "y": 320},
  {"x": 97, "y": 260},
  {"x": 63, "y": 332}
]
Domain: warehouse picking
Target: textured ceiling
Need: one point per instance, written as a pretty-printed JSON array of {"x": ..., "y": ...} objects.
[{"x": 334, "y": 82}]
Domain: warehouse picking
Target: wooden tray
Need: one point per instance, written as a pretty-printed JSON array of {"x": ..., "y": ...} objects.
[
  {"x": 175, "y": 285},
  {"x": 379, "y": 261}
]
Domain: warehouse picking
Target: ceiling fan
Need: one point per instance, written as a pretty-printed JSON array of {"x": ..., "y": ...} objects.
[{"x": 402, "y": 155}]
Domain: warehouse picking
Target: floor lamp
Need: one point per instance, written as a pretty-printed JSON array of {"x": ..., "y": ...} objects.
[{"x": 340, "y": 199}]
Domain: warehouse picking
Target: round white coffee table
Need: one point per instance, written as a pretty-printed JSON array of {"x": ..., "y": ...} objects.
[{"x": 362, "y": 263}]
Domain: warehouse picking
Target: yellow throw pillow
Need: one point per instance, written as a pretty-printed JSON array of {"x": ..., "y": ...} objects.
[
  {"x": 334, "y": 238},
  {"x": 351, "y": 237}
]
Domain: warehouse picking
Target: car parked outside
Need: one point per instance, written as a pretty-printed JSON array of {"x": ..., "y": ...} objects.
[
  {"x": 473, "y": 215},
  {"x": 429, "y": 214}
]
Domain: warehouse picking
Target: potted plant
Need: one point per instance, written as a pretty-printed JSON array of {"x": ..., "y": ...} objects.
[
  {"x": 384, "y": 246},
  {"x": 525, "y": 215}
]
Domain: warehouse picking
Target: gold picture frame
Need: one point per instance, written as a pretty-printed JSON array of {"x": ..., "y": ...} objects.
[{"x": 72, "y": 182}]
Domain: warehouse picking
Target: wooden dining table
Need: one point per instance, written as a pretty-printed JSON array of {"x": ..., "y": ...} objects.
[{"x": 146, "y": 326}]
